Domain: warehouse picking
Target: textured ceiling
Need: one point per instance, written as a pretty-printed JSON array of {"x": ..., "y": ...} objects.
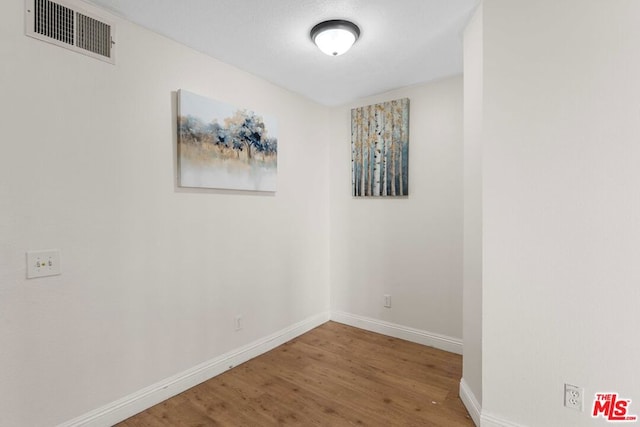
[{"x": 402, "y": 42}]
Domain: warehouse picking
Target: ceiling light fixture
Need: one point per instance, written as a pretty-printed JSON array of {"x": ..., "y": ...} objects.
[{"x": 335, "y": 37}]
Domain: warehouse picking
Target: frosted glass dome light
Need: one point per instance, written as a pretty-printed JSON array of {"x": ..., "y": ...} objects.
[{"x": 335, "y": 37}]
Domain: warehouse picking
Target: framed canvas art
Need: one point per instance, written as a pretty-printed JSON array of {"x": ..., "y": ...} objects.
[
  {"x": 380, "y": 149},
  {"x": 224, "y": 147}
]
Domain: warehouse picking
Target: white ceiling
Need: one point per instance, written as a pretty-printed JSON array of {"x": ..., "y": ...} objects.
[{"x": 402, "y": 42}]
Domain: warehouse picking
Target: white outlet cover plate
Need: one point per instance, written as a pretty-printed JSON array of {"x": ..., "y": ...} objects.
[
  {"x": 43, "y": 263},
  {"x": 573, "y": 397},
  {"x": 387, "y": 301},
  {"x": 238, "y": 322}
]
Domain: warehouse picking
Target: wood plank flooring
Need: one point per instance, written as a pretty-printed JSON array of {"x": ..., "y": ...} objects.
[{"x": 334, "y": 375}]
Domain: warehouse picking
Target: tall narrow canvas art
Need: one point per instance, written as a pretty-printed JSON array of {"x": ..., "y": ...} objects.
[
  {"x": 380, "y": 149},
  {"x": 224, "y": 147}
]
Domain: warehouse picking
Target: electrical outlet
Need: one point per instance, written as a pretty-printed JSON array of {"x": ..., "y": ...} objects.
[
  {"x": 238, "y": 322},
  {"x": 573, "y": 397},
  {"x": 43, "y": 263},
  {"x": 387, "y": 301}
]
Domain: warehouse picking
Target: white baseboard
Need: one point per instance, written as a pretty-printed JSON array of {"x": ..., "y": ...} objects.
[
  {"x": 442, "y": 342},
  {"x": 480, "y": 418},
  {"x": 470, "y": 402},
  {"x": 488, "y": 420},
  {"x": 128, "y": 406}
]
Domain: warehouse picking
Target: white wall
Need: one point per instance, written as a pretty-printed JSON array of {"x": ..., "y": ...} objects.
[
  {"x": 471, "y": 386},
  {"x": 561, "y": 206},
  {"x": 152, "y": 275},
  {"x": 410, "y": 248}
]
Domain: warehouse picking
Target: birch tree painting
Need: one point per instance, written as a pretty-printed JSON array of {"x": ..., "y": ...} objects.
[{"x": 380, "y": 149}]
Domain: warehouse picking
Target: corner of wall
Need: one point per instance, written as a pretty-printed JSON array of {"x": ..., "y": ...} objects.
[
  {"x": 470, "y": 402},
  {"x": 473, "y": 194}
]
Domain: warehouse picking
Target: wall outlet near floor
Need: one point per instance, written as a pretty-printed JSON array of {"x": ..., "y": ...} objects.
[
  {"x": 387, "y": 301},
  {"x": 43, "y": 263},
  {"x": 238, "y": 322},
  {"x": 573, "y": 397}
]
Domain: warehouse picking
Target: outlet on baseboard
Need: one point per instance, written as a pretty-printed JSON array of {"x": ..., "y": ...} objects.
[
  {"x": 573, "y": 397},
  {"x": 387, "y": 301}
]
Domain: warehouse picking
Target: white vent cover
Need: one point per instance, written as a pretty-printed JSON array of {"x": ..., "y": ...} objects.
[{"x": 65, "y": 24}]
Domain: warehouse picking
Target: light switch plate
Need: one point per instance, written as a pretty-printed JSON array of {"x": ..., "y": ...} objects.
[{"x": 43, "y": 263}]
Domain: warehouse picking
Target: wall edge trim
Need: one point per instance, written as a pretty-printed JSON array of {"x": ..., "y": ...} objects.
[
  {"x": 442, "y": 342},
  {"x": 136, "y": 402},
  {"x": 489, "y": 420},
  {"x": 470, "y": 402}
]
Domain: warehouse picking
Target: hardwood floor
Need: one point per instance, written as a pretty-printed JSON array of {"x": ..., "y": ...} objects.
[{"x": 334, "y": 375}]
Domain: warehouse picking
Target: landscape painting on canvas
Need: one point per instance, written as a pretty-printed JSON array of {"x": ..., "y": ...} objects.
[
  {"x": 380, "y": 149},
  {"x": 224, "y": 147}
]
